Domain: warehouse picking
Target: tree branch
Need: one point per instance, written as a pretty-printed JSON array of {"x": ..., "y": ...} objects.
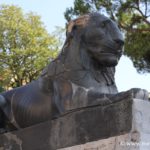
[
  {"x": 133, "y": 29},
  {"x": 143, "y": 16},
  {"x": 145, "y": 7}
]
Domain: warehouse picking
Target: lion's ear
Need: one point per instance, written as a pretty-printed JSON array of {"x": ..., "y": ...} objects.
[
  {"x": 70, "y": 27},
  {"x": 77, "y": 23}
]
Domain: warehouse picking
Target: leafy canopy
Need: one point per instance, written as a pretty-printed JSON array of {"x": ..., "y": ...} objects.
[
  {"x": 133, "y": 17},
  {"x": 25, "y": 46}
]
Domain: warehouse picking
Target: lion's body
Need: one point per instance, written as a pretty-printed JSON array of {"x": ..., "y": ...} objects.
[{"x": 84, "y": 68}]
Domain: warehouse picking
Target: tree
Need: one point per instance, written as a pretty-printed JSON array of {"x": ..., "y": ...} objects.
[
  {"x": 133, "y": 17},
  {"x": 25, "y": 46}
]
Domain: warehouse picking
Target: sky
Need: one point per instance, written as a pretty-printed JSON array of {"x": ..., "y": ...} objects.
[{"x": 52, "y": 15}]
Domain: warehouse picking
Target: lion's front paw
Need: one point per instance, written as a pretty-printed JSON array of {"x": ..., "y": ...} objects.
[{"x": 140, "y": 93}]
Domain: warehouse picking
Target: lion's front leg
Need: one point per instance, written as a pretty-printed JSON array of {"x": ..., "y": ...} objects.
[{"x": 83, "y": 97}]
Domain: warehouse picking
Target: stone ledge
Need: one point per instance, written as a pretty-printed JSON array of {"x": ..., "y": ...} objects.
[
  {"x": 75, "y": 128},
  {"x": 137, "y": 139}
]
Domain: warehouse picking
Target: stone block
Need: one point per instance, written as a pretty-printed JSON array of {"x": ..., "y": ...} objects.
[
  {"x": 77, "y": 127},
  {"x": 137, "y": 139}
]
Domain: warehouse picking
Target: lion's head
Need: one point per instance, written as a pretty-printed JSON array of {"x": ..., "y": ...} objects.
[
  {"x": 100, "y": 36},
  {"x": 92, "y": 49}
]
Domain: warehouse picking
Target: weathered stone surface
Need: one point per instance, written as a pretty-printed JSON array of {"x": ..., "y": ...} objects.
[
  {"x": 136, "y": 139},
  {"x": 77, "y": 127}
]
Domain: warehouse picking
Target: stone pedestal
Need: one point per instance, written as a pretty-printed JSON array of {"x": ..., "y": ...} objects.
[
  {"x": 136, "y": 139},
  {"x": 122, "y": 123}
]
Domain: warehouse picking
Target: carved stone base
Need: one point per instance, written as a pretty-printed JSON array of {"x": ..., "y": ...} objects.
[
  {"x": 105, "y": 119},
  {"x": 106, "y": 127},
  {"x": 137, "y": 139}
]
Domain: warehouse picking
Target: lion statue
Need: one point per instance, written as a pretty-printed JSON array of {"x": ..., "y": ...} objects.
[{"x": 82, "y": 73}]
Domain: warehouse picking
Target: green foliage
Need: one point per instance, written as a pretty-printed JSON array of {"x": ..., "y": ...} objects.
[
  {"x": 78, "y": 5},
  {"x": 60, "y": 35},
  {"x": 138, "y": 48},
  {"x": 25, "y": 46},
  {"x": 133, "y": 17}
]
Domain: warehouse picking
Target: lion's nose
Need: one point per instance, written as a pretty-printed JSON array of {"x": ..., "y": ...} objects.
[{"x": 119, "y": 42}]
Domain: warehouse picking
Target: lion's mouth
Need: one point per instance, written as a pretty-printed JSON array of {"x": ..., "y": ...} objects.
[
  {"x": 106, "y": 55},
  {"x": 111, "y": 52},
  {"x": 106, "y": 59}
]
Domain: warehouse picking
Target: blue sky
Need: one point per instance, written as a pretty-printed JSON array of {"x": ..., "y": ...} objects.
[
  {"x": 52, "y": 14},
  {"x": 51, "y": 11}
]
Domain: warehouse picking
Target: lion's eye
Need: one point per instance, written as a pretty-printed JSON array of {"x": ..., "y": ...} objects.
[{"x": 104, "y": 23}]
